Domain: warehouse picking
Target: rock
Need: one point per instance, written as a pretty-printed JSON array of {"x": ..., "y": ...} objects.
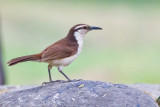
[
  {"x": 152, "y": 89},
  {"x": 78, "y": 94},
  {"x": 6, "y": 88}
]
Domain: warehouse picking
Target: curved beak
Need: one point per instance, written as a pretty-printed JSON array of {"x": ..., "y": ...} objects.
[{"x": 95, "y": 28}]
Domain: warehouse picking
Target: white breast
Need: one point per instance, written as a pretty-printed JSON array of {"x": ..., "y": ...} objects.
[
  {"x": 79, "y": 38},
  {"x": 68, "y": 60}
]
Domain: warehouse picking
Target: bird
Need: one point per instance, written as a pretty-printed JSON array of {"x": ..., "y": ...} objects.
[{"x": 62, "y": 52}]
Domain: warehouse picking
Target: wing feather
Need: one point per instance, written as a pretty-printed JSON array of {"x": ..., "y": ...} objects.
[{"x": 58, "y": 51}]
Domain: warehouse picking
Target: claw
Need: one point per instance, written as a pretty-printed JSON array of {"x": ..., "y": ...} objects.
[
  {"x": 58, "y": 81},
  {"x": 61, "y": 81},
  {"x": 44, "y": 83},
  {"x": 75, "y": 80}
]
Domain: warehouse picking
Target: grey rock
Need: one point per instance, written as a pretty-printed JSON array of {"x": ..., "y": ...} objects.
[
  {"x": 152, "y": 89},
  {"x": 7, "y": 88},
  {"x": 77, "y": 94}
]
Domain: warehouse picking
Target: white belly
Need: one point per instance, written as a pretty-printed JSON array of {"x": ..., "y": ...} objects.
[{"x": 64, "y": 61}]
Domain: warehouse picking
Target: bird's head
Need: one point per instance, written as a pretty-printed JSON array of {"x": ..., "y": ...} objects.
[
  {"x": 83, "y": 28},
  {"x": 78, "y": 31}
]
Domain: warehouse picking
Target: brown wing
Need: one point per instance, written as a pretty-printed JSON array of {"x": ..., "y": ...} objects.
[{"x": 58, "y": 50}]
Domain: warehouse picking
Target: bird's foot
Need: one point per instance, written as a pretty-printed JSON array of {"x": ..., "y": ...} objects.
[
  {"x": 59, "y": 81},
  {"x": 44, "y": 83},
  {"x": 75, "y": 80}
]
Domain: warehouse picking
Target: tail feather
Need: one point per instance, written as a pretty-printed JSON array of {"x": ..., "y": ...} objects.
[{"x": 24, "y": 59}]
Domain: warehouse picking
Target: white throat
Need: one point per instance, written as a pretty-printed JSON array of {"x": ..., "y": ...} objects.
[{"x": 79, "y": 37}]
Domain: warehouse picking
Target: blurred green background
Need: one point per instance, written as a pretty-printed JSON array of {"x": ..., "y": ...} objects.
[{"x": 127, "y": 50}]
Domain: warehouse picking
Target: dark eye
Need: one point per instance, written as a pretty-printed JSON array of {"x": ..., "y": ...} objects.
[{"x": 84, "y": 27}]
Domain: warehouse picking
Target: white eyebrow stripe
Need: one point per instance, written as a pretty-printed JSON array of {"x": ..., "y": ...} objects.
[{"x": 79, "y": 26}]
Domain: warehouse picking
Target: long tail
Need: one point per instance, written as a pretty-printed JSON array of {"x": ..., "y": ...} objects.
[{"x": 14, "y": 61}]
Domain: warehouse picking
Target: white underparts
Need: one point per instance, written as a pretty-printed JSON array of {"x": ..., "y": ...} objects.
[{"x": 79, "y": 37}]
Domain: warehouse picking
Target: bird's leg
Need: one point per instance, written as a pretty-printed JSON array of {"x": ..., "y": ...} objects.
[
  {"x": 49, "y": 72},
  {"x": 50, "y": 78},
  {"x": 60, "y": 70}
]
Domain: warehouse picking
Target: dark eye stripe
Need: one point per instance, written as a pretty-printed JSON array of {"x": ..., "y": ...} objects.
[
  {"x": 79, "y": 28},
  {"x": 83, "y": 27}
]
